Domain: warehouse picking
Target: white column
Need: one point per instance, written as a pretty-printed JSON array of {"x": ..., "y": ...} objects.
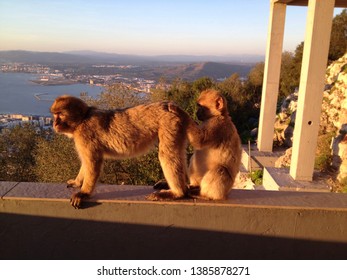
[
  {"x": 314, "y": 63},
  {"x": 271, "y": 76}
]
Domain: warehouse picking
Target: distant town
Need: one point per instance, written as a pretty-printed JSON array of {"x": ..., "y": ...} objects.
[
  {"x": 51, "y": 76},
  {"x": 12, "y": 120}
]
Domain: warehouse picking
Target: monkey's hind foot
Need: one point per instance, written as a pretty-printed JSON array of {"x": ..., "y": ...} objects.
[
  {"x": 194, "y": 192},
  {"x": 161, "y": 185},
  {"x": 77, "y": 198},
  {"x": 163, "y": 195}
]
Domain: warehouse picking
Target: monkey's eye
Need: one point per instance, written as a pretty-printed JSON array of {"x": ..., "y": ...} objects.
[
  {"x": 58, "y": 115},
  {"x": 201, "y": 107}
]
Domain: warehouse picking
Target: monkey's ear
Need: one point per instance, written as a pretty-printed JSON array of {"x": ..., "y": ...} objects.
[{"x": 219, "y": 103}]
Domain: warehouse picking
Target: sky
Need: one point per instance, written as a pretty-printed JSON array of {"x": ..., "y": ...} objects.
[{"x": 145, "y": 27}]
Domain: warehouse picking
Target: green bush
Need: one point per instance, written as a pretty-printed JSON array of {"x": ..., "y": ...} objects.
[
  {"x": 56, "y": 159},
  {"x": 257, "y": 177},
  {"x": 17, "y": 146}
]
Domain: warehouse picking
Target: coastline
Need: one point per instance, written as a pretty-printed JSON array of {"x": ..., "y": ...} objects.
[{"x": 54, "y": 82}]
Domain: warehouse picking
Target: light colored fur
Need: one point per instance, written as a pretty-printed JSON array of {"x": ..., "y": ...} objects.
[
  {"x": 121, "y": 134},
  {"x": 217, "y": 148}
]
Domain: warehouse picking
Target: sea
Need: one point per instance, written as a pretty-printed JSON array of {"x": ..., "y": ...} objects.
[{"x": 18, "y": 95}]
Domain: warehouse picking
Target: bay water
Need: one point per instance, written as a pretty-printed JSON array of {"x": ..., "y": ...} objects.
[{"x": 17, "y": 94}]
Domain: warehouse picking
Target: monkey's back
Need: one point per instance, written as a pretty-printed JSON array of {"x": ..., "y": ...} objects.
[{"x": 132, "y": 131}]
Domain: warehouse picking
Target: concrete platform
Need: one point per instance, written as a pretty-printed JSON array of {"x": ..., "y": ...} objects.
[
  {"x": 37, "y": 222},
  {"x": 279, "y": 179},
  {"x": 256, "y": 160}
]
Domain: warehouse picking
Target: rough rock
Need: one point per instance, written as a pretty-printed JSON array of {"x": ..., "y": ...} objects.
[
  {"x": 333, "y": 117},
  {"x": 284, "y": 161}
]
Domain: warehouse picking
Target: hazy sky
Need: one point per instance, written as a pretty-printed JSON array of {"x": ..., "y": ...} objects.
[{"x": 149, "y": 27}]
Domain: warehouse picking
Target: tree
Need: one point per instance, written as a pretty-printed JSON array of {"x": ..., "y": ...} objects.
[
  {"x": 144, "y": 170},
  {"x": 241, "y": 105},
  {"x": 233, "y": 90},
  {"x": 183, "y": 94},
  {"x": 256, "y": 75},
  {"x": 254, "y": 83},
  {"x": 16, "y": 153},
  {"x": 286, "y": 76},
  {"x": 290, "y": 71},
  {"x": 233, "y": 87},
  {"x": 289, "y": 78},
  {"x": 55, "y": 159},
  {"x": 202, "y": 84},
  {"x": 117, "y": 96},
  {"x": 338, "y": 39}
]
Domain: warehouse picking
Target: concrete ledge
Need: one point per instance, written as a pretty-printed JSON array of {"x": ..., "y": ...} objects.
[
  {"x": 279, "y": 179},
  {"x": 136, "y": 194},
  {"x": 37, "y": 222}
]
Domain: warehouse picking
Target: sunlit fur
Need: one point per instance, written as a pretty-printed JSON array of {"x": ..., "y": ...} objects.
[
  {"x": 217, "y": 147},
  {"x": 121, "y": 134}
]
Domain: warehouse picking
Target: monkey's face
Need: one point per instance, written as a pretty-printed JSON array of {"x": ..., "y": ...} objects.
[
  {"x": 61, "y": 123},
  {"x": 210, "y": 104},
  {"x": 203, "y": 113},
  {"x": 68, "y": 112}
]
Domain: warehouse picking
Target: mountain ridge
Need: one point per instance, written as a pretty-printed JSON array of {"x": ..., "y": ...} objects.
[
  {"x": 86, "y": 56},
  {"x": 213, "y": 70},
  {"x": 149, "y": 67}
]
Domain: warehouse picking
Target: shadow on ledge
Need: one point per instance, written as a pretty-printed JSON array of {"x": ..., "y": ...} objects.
[{"x": 36, "y": 237}]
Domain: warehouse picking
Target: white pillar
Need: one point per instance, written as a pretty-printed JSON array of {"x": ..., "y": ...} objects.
[
  {"x": 271, "y": 76},
  {"x": 314, "y": 63}
]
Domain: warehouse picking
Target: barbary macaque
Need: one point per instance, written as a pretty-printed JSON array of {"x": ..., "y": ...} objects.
[
  {"x": 120, "y": 134},
  {"x": 217, "y": 147}
]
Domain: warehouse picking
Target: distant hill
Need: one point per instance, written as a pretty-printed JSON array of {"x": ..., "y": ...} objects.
[
  {"x": 171, "y": 58},
  {"x": 85, "y": 57},
  {"x": 42, "y": 57},
  {"x": 211, "y": 69},
  {"x": 74, "y": 57},
  {"x": 151, "y": 67}
]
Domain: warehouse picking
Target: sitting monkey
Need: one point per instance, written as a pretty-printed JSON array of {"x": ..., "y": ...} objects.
[{"x": 217, "y": 147}]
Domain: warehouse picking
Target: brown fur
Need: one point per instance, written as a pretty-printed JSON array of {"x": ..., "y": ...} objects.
[
  {"x": 217, "y": 155},
  {"x": 100, "y": 134}
]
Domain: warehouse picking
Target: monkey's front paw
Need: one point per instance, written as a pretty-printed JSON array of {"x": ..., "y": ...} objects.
[
  {"x": 162, "y": 195},
  {"x": 73, "y": 184},
  {"x": 77, "y": 198}
]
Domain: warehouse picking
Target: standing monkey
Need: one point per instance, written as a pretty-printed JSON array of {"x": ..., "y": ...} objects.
[
  {"x": 217, "y": 146},
  {"x": 100, "y": 134}
]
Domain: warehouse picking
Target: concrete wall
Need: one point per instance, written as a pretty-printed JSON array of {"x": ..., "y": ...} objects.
[{"x": 37, "y": 222}]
